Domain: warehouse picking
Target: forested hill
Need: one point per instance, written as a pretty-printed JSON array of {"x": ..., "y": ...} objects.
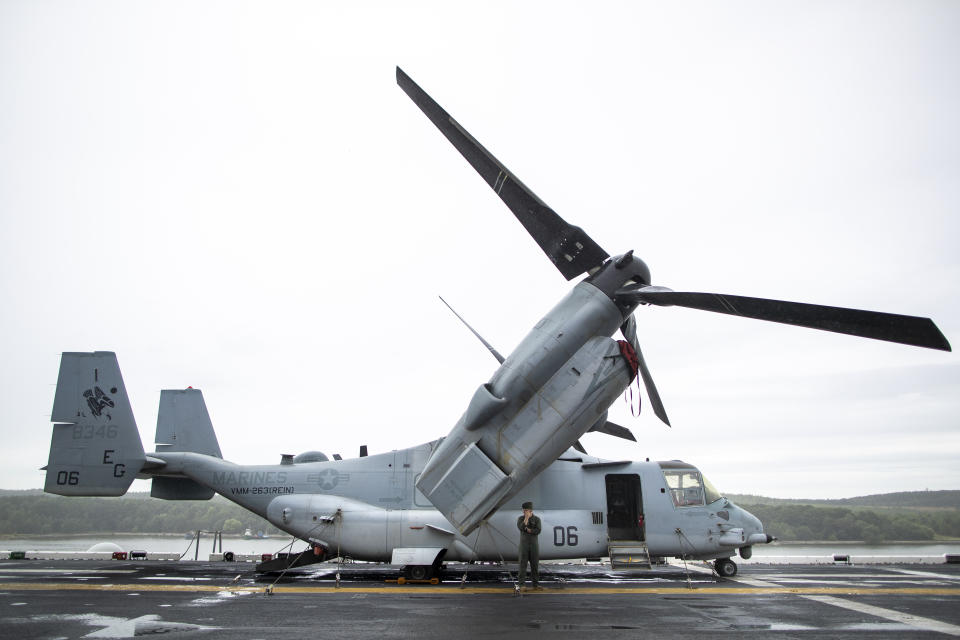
[
  {"x": 921, "y": 499},
  {"x": 35, "y": 512},
  {"x": 903, "y": 516},
  {"x": 903, "y": 499},
  {"x": 917, "y": 515}
]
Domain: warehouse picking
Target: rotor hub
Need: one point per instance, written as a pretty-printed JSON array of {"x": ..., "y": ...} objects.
[{"x": 621, "y": 271}]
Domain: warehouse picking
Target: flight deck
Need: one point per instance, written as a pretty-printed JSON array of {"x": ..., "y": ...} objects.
[{"x": 124, "y": 599}]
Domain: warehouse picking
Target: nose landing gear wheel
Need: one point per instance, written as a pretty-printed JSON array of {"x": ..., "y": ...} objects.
[{"x": 725, "y": 567}]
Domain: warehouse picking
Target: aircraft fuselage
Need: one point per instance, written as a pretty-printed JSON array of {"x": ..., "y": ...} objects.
[{"x": 366, "y": 507}]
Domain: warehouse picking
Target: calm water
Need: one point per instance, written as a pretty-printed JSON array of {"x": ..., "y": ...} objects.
[
  {"x": 177, "y": 544},
  {"x": 762, "y": 551},
  {"x": 157, "y": 544}
]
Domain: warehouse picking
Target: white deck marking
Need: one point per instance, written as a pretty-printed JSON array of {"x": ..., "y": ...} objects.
[
  {"x": 824, "y": 577},
  {"x": 917, "y": 622},
  {"x": 878, "y": 582},
  {"x": 6, "y": 570},
  {"x": 927, "y": 574},
  {"x": 753, "y": 582}
]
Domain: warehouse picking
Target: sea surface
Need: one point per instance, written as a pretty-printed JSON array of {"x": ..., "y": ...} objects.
[
  {"x": 154, "y": 543},
  {"x": 274, "y": 544},
  {"x": 765, "y": 552}
]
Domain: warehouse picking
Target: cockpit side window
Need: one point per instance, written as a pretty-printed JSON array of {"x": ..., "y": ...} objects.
[
  {"x": 710, "y": 491},
  {"x": 685, "y": 487}
]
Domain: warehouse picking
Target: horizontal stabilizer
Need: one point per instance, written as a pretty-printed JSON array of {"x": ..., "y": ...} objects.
[
  {"x": 96, "y": 448},
  {"x": 178, "y": 489}
]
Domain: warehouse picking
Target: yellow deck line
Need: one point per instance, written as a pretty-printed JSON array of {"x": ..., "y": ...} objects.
[{"x": 496, "y": 590}]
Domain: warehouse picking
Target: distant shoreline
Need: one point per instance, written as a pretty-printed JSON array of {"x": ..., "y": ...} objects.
[
  {"x": 233, "y": 536},
  {"x": 89, "y": 534}
]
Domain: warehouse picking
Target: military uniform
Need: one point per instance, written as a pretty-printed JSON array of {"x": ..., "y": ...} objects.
[{"x": 529, "y": 547}]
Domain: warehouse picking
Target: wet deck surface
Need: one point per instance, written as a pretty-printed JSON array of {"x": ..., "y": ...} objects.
[{"x": 116, "y": 599}]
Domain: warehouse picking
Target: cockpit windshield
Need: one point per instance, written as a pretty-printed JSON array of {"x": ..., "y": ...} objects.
[{"x": 688, "y": 488}]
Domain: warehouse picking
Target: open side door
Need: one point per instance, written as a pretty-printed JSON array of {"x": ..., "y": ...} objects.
[{"x": 624, "y": 507}]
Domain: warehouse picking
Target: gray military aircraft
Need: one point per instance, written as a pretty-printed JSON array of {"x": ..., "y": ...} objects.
[{"x": 456, "y": 498}]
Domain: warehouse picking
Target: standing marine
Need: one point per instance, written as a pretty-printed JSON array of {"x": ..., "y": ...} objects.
[{"x": 529, "y": 526}]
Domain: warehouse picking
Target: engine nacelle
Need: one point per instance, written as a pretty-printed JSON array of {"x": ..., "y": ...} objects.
[{"x": 482, "y": 465}]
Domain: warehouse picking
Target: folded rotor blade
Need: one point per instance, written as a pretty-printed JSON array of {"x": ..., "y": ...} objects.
[
  {"x": 629, "y": 330},
  {"x": 651, "y": 388},
  {"x": 613, "y": 429},
  {"x": 911, "y": 330},
  {"x": 570, "y": 249}
]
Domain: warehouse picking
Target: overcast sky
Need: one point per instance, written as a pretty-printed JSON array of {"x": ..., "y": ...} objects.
[{"x": 237, "y": 196}]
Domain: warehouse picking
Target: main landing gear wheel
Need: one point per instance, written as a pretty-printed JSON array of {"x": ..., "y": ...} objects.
[
  {"x": 418, "y": 572},
  {"x": 725, "y": 567}
]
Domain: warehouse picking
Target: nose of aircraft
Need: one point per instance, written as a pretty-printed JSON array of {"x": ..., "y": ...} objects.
[
  {"x": 751, "y": 523},
  {"x": 752, "y": 528}
]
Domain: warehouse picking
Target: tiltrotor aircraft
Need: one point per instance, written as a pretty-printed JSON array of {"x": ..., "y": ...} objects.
[{"x": 457, "y": 498}]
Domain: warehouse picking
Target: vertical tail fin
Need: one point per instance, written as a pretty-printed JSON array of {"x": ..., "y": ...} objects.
[
  {"x": 183, "y": 424},
  {"x": 95, "y": 449}
]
